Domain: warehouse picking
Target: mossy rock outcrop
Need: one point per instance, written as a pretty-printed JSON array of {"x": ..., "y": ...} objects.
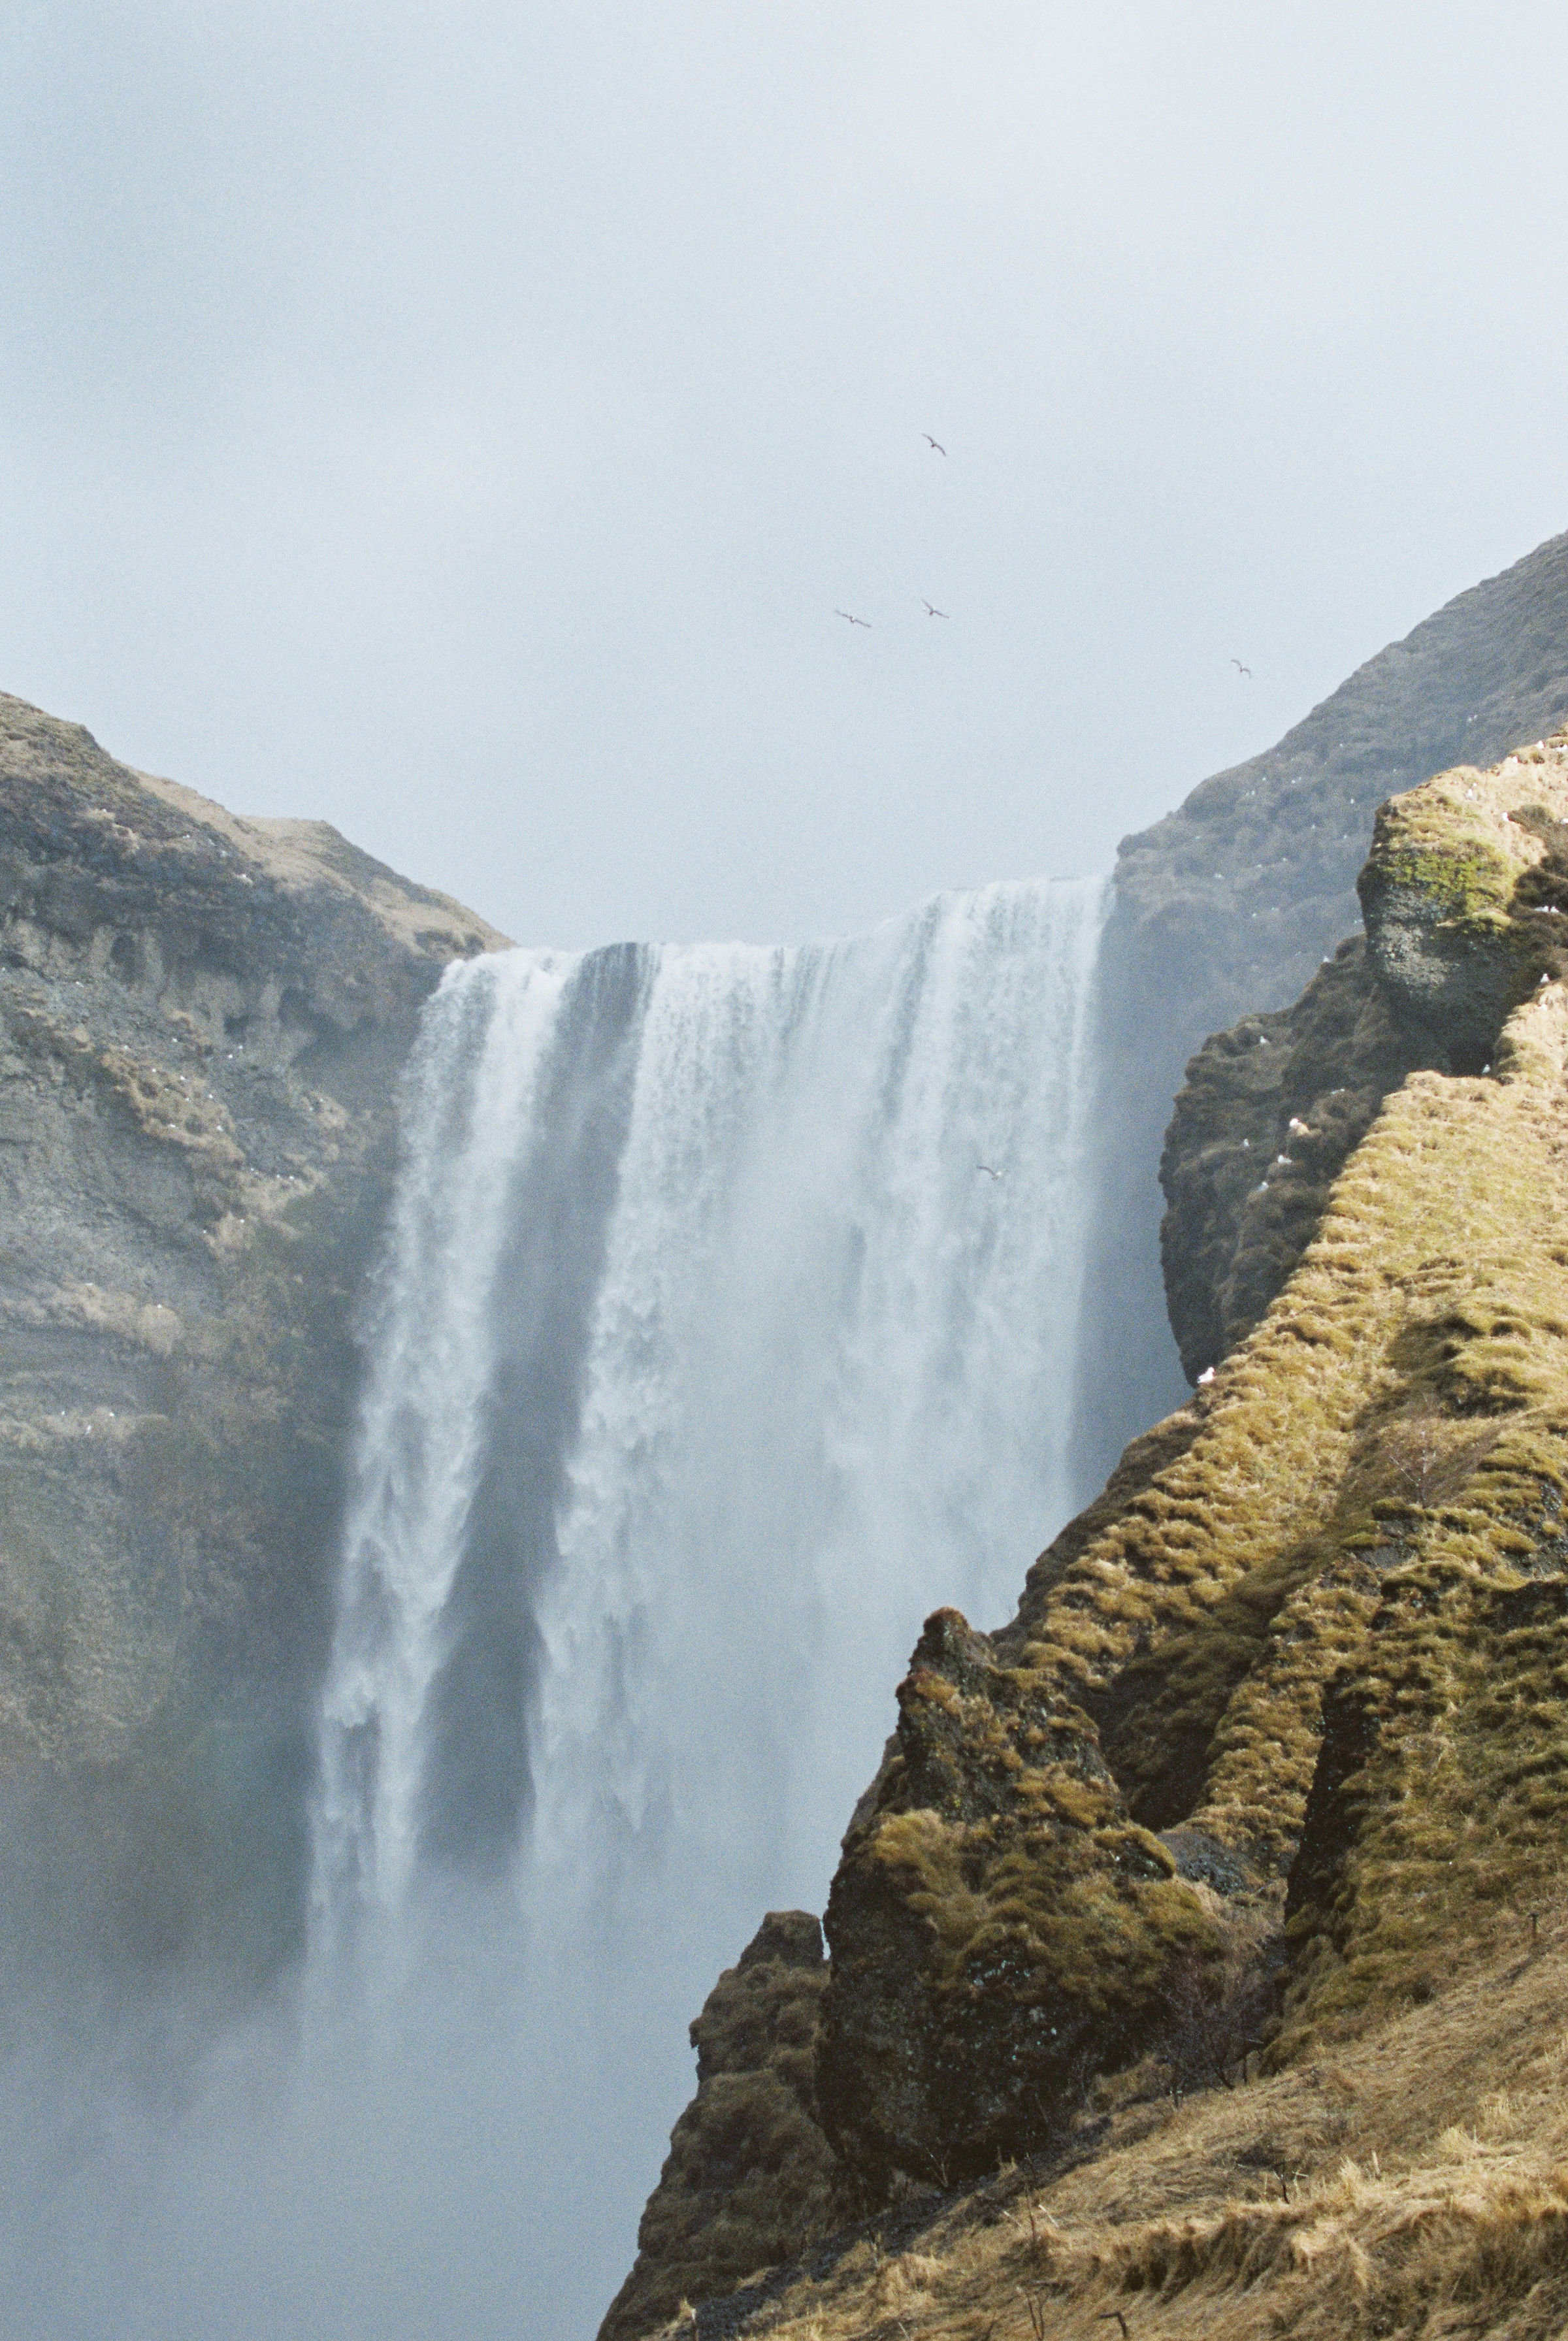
[
  {"x": 750, "y": 2177},
  {"x": 1364, "y": 1479},
  {"x": 1280, "y": 1722},
  {"x": 1464, "y": 893},
  {"x": 1000, "y": 1926},
  {"x": 1225, "y": 908}
]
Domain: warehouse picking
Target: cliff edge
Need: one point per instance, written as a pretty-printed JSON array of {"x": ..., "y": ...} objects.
[
  {"x": 1226, "y": 907},
  {"x": 1268, "y": 1764},
  {"x": 202, "y": 1020}
]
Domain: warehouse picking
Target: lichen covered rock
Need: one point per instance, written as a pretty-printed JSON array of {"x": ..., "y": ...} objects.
[
  {"x": 1225, "y": 908},
  {"x": 1464, "y": 893},
  {"x": 999, "y": 1925}
]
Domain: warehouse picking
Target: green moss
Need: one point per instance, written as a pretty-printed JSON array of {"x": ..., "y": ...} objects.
[
  {"x": 1470, "y": 885},
  {"x": 1281, "y": 1616}
]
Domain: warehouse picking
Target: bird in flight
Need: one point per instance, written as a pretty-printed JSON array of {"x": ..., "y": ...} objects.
[
  {"x": 853, "y": 620},
  {"x": 934, "y": 442},
  {"x": 931, "y": 611},
  {"x": 989, "y": 1172},
  {"x": 1241, "y": 669}
]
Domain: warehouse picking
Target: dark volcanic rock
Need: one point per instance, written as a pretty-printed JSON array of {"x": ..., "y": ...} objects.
[
  {"x": 999, "y": 1927},
  {"x": 1263, "y": 1123},
  {"x": 749, "y": 2178}
]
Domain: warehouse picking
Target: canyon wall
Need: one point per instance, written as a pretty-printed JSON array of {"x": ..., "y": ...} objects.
[{"x": 202, "y": 1021}]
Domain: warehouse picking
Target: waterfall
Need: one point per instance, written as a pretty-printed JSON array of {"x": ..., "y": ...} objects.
[
  {"x": 704, "y": 1359},
  {"x": 727, "y": 1325}
]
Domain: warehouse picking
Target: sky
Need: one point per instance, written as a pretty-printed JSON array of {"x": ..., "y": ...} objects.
[{"x": 464, "y": 424}]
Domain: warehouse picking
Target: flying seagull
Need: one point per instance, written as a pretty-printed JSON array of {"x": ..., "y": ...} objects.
[
  {"x": 931, "y": 610},
  {"x": 989, "y": 1172},
  {"x": 1241, "y": 669},
  {"x": 853, "y": 620},
  {"x": 934, "y": 442}
]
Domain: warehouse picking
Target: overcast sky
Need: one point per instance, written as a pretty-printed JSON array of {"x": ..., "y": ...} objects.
[{"x": 463, "y": 422}]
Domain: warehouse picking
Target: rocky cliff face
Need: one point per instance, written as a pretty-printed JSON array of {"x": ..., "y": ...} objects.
[
  {"x": 1177, "y": 1647},
  {"x": 1226, "y": 908},
  {"x": 201, "y": 1020},
  {"x": 750, "y": 2177},
  {"x": 1461, "y": 892},
  {"x": 1271, "y": 1753}
]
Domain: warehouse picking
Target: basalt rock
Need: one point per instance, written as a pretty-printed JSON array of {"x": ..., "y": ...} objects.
[
  {"x": 1463, "y": 893},
  {"x": 1000, "y": 1927},
  {"x": 201, "y": 1020}
]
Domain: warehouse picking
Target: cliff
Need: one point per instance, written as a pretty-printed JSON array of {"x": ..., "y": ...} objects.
[
  {"x": 749, "y": 2173},
  {"x": 202, "y": 1020},
  {"x": 1267, "y": 1771},
  {"x": 1227, "y": 906}
]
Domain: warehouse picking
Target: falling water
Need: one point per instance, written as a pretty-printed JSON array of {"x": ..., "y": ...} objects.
[
  {"x": 706, "y": 1356},
  {"x": 727, "y": 1326}
]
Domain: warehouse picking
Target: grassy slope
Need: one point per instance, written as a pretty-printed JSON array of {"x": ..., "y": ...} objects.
[
  {"x": 1415, "y": 2184},
  {"x": 997, "y": 1916},
  {"x": 1430, "y": 2133},
  {"x": 1365, "y": 1504}
]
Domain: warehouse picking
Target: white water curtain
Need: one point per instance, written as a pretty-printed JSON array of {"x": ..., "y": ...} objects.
[{"x": 813, "y": 1380}]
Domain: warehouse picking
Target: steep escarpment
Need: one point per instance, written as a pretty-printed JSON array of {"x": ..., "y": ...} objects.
[
  {"x": 1271, "y": 1754},
  {"x": 1181, "y": 1649},
  {"x": 1226, "y": 907},
  {"x": 201, "y": 1020}
]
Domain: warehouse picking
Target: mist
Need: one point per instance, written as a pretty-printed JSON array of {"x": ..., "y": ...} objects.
[{"x": 178, "y": 2167}]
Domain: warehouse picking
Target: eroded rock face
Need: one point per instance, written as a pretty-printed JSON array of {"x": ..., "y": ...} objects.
[
  {"x": 1226, "y": 908},
  {"x": 1375, "y": 1467},
  {"x": 1305, "y": 1657},
  {"x": 750, "y": 2176},
  {"x": 201, "y": 1020},
  {"x": 1000, "y": 1927},
  {"x": 1464, "y": 893}
]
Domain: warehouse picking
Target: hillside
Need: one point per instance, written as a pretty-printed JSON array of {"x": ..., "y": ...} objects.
[
  {"x": 1268, "y": 1771},
  {"x": 1414, "y": 2183}
]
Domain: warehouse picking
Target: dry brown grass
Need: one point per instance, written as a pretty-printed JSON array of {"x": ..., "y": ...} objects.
[{"x": 1416, "y": 2185}]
